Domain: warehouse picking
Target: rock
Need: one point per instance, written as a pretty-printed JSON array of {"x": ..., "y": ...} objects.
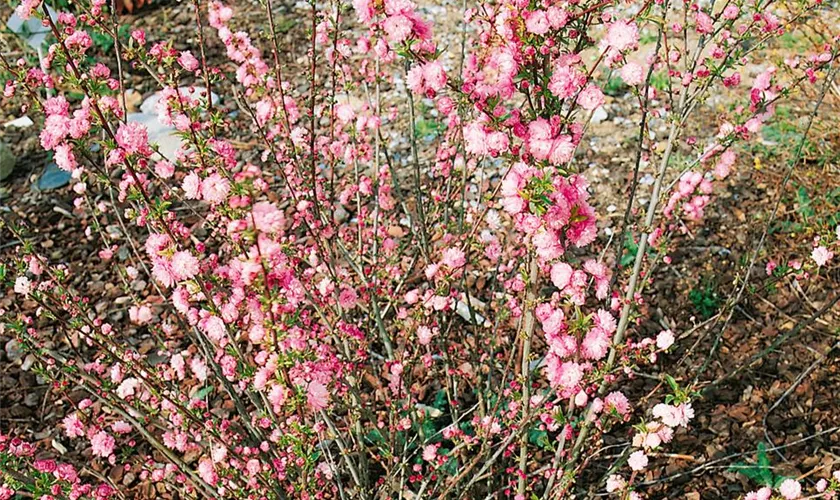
[
  {"x": 599, "y": 115},
  {"x": 133, "y": 99},
  {"x": 7, "y": 161},
  {"x": 14, "y": 351},
  {"x": 165, "y": 137},
  {"x": 22, "y": 122},
  {"x": 53, "y": 177}
]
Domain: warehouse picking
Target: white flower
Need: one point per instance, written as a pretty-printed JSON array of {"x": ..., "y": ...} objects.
[
  {"x": 822, "y": 255},
  {"x": 615, "y": 483},
  {"x": 638, "y": 460},
  {"x": 127, "y": 387},
  {"x": 665, "y": 339},
  {"x": 22, "y": 285},
  {"x": 790, "y": 489}
]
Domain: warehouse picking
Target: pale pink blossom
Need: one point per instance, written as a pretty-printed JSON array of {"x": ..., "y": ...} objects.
[
  {"x": 537, "y": 23},
  {"x": 790, "y": 489},
  {"x": 22, "y": 285},
  {"x": 632, "y": 73},
  {"x": 615, "y": 483},
  {"x": 665, "y": 339},
  {"x": 821, "y": 255},
  {"x": 638, "y": 460},
  {"x": 623, "y": 35}
]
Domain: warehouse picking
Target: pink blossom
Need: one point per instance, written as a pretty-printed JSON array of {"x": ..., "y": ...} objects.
[
  {"x": 731, "y": 12},
  {"x": 566, "y": 375},
  {"x": 22, "y": 285},
  {"x": 214, "y": 327},
  {"x": 140, "y": 315},
  {"x": 704, "y": 23},
  {"x": 214, "y": 189},
  {"x": 347, "y": 298},
  {"x": 207, "y": 472},
  {"x": 64, "y": 157},
  {"x": 317, "y": 395},
  {"x": 545, "y": 145},
  {"x": 424, "y": 335},
  {"x": 561, "y": 275},
  {"x": 724, "y": 164},
  {"x": 537, "y": 23},
  {"x": 121, "y": 427},
  {"x": 590, "y": 98},
  {"x": 762, "y": 494},
  {"x": 73, "y": 427},
  {"x": 674, "y": 416},
  {"x": 219, "y": 14},
  {"x": 164, "y": 169},
  {"x": 192, "y": 186},
  {"x": 267, "y": 217},
  {"x": 615, "y": 483},
  {"x": 364, "y": 10},
  {"x": 453, "y": 258},
  {"x": 133, "y": 138},
  {"x": 26, "y": 8},
  {"x": 184, "y": 265},
  {"x": 398, "y": 28},
  {"x": 617, "y": 401},
  {"x": 102, "y": 444},
  {"x": 565, "y": 81},
  {"x": 139, "y": 36},
  {"x": 128, "y": 387},
  {"x": 199, "y": 368},
  {"x": 595, "y": 344},
  {"x": 188, "y": 61}
]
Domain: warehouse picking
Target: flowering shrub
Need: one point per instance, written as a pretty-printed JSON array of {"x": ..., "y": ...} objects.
[{"x": 331, "y": 320}]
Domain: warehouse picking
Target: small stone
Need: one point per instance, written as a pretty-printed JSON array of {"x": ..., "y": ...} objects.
[
  {"x": 128, "y": 479},
  {"x": 14, "y": 351},
  {"x": 599, "y": 115},
  {"x": 22, "y": 122},
  {"x": 7, "y": 161},
  {"x": 53, "y": 178}
]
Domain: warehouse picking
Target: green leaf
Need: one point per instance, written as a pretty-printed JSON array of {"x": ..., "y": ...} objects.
[
  {"x": 539, "y": 438},
  {"x": 760, "y": 472},
  {"x": 764, "y": 464},
  {"x": 203, "y": 392},
  {"x": 375, "y": 437},
  {"x": 451, "y": 465},
  {"x": 440, "y": 400},
  {"x": 804, "y": 202},
  {"x": 672, "y": 383}
]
